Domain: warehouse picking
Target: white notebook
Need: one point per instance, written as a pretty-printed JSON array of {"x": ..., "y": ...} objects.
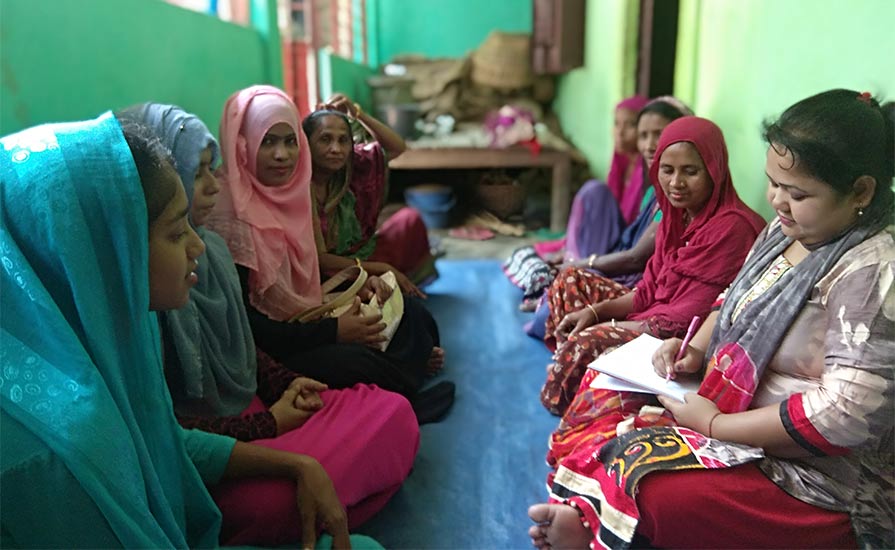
[{"x": 630, "y": 368}]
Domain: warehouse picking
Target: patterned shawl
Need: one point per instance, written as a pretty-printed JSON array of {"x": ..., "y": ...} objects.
[
  {"x": 749, "y": 343},
  {"x": 354, "y": 197},
  {"x": 267, "y": 229},
  {"x": 81, "y": 362},
  {"x": 211, "y": 334}
]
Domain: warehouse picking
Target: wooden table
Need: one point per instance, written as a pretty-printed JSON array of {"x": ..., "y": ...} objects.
[{"x": 512, "y": 157}]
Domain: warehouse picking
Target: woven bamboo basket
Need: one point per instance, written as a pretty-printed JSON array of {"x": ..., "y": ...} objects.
[
  {"x": 503, "y": 61},
  {"x": 501, "y": 195}
]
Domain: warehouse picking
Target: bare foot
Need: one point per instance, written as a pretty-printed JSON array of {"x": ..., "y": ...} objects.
[
  {"x": 436, "y": 361},
  {"x": 557, "y": 526}
]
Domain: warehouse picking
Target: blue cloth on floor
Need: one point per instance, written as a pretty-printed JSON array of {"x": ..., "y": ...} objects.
[{"x": 480, "y": 468}]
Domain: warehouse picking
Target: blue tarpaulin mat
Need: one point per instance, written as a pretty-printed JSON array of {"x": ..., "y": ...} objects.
[{"x": 480, "y": 468}]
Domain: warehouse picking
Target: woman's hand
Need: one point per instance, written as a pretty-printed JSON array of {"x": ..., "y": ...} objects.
[
  {"x": 341, "y": 103},
  {"x": 696, "y": 413},
  {"x": 375, "y": 287},
  {"x": 407, "y": 286},
  {"x": 318, "y": 505},
  {"x": 286, "y": 414},
  {"x": 575, "y": 322},
  {"x": 308, "y": 393},
  {"x": 357, "y": 329},
  {"x": 404, "y": 283},
  {"x": 665, "y": 364}
]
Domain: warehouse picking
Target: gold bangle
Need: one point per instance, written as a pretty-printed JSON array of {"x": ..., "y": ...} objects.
[
  {"x": 590, "y": 260},
  {"x": 712, "y": 421},
  {"x": 594, "y": 311}
]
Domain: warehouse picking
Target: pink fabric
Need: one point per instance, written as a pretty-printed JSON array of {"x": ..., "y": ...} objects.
[
  {"x": 365, "y": 438},
  {"x": 368, "y": 170},
  {"x": 544, "y": 248},
  {"x": 630, "y": 191},
  {"x": 692, "y": 264},
  {"x": 269, "y": 230},
  {"x": 402, "y": 241},
  {"x": 627, "y": 192}
]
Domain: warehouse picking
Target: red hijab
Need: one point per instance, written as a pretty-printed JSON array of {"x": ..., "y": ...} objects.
[
  {"x": 628, "y": 193},
  {"x": 694, "y": 263}
]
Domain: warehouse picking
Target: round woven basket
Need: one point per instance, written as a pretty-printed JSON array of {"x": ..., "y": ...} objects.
[
  {"x": 503, "y": 61},
  {"x": 501, "y": 199}
]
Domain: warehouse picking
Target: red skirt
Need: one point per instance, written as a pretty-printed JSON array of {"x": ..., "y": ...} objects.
[{"x": 733, "y": 508}]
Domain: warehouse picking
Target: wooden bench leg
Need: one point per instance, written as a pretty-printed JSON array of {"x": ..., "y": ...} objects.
[{"x": 560, "y": 198}]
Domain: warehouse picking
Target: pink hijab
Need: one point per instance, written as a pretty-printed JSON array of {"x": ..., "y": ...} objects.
[
  {"x": 269, "y": 230},
  {"x": 628, "y": 193}
]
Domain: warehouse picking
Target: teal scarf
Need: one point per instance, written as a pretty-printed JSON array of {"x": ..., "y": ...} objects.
[{"x": 80, "y": 367}]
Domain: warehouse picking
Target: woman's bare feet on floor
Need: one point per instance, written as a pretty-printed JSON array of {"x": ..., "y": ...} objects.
[
  {"x": 557, "y": 526},
  {"x": 436, "y": 361}
]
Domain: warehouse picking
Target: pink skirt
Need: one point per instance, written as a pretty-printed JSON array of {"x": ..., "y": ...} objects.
[
  {"x": 365, "y": 438},
  {"x": 403, "y": 242}
]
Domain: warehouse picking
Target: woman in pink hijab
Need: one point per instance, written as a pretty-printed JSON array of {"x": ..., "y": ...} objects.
[{"x": 265, "y": 216}]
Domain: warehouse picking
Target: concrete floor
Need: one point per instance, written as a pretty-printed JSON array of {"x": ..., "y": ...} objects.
[{"x": 499, "y": 248}]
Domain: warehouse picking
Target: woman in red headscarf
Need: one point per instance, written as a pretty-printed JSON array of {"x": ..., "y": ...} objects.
[{"x": 703, "y": 239}]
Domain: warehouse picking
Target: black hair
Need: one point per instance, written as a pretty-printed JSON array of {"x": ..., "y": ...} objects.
[
  {"x": 838, "y": 136},
  {"x": 661, "y": 108},
  {"x": 313, "y": 120},
  {"x": 155, "y": 164}
]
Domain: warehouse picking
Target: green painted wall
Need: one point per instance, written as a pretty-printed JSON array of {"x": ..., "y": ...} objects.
[
  {"x": 441, "y": 28},
  {"x": 69, "y": 60},
  {"x": 740, "y": 63},
  {"x": 339, "y": 75},
  {"x": 586, "y": 96}
]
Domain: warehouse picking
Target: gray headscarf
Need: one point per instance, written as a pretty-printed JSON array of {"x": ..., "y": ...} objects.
[
  {"x": 760, "y": 328},
  {"x": 217, "y": 375}
]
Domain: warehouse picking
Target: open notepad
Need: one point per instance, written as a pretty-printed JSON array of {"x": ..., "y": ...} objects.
[{"x": 630, "y": 368}]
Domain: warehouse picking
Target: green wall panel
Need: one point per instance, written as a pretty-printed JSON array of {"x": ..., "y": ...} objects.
[
  {"x": 740, "y": 63},
  {"x": 339, "y": 75},
  {"x": 69, "y": 60},
  {"x": 586, "y": 96},
  {"x": 442, "y": 28}
]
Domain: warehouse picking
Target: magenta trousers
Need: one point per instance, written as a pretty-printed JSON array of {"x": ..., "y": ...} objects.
[{"x": 364, "y": 437}]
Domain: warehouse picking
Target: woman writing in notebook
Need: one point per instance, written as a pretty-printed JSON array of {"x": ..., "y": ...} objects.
[{"x": 790, "y": 436}]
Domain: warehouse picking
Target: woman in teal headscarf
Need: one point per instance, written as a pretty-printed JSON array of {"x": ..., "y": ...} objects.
[{"x": 92, "y": 455}]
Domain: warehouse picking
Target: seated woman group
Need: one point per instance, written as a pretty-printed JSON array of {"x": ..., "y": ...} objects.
[
  {"x": 92, "y": 454},
  {"x": 221, "y": 383},
  {"x": 703, "y": 238},
  {"x": 266, "y": 216},
  {"x": 599, "y": 237},
  {"x": 300, "y": 414},
  {"x": 788, "y": 442}
]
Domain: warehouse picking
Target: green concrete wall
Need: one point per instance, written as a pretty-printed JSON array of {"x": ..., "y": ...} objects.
[
  {"x": 339, "y": 75},
  {"x": 440, "y": 28},
  {"x": 586, "y": 96},
  {"x": 740, "y": 63},
  {"x": 70, "y": 60}
]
